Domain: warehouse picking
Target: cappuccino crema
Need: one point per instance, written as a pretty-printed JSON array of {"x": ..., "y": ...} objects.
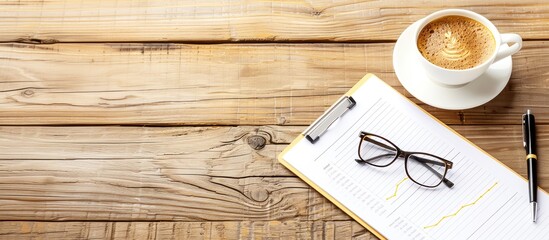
[{"x": 456, "y": 42}]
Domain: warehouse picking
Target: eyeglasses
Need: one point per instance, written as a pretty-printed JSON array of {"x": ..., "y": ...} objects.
[{"x": 422, "y": 168}]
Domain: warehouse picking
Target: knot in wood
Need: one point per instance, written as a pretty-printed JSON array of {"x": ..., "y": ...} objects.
[
  {"x": 257, "y": 142},
  {"x": 281, "y": 120},
  {"x": 27, "y": 93},
  {"x": 259, "y": 194}
]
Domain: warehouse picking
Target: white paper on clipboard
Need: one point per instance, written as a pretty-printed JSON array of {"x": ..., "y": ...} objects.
[{"x": 488, "y": 201}]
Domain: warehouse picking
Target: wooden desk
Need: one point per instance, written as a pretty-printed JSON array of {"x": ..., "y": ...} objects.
[{"x": 163, "y": 119}]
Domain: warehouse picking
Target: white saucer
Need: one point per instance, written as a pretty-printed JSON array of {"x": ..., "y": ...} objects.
[{"x": 413, "y": 77}]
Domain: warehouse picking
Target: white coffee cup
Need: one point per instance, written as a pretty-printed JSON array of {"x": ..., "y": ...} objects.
[{"x": 463, "y": 76}]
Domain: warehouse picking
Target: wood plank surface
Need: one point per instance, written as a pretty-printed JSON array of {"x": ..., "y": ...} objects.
[
  {"x": 159, "y": 63},
  {"x": 180, "y": 173},
  {"x": 325, "y": 230},
  {"x": 243, "y": 84},
  {"x": 246, "y": 20}
]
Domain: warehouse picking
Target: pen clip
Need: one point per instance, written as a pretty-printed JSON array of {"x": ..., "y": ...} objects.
[{"x": 524, "y": 131}]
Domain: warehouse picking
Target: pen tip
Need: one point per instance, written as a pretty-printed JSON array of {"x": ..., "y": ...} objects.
[
  {"x": 534, "y": 211},
  {"x": 528, "y": 111}
]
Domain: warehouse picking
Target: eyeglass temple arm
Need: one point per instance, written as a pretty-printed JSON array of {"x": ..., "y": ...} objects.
[
  {"x": 446, "y": 181},
  {"x": 375, "y": 157},
  {"x": 423, "y": 161},
  {"x": 376, "y": 142}
]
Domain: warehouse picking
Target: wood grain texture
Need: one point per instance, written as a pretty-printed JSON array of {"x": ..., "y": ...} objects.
[
  {"x": 325, "y": 230},
  {"x": 124, "y": 177},
  {"x": 180, "y": 173},
  {"x": 244, "y": 84},
  {"x": 243, "y": 20},
  {"x": 224, "y": 182}
]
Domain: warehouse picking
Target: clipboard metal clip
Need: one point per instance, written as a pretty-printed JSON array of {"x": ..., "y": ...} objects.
[{"x": 328, "y": 118}]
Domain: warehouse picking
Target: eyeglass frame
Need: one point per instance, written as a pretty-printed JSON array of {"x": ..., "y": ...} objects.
[{"x": 406, "y": 154}]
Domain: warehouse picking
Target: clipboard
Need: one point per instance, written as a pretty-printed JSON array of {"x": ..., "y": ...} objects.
[{"x": 314, "y": 133}]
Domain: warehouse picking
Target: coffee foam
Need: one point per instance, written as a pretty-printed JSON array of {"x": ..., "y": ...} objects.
[{"x": 456, "y": 42}]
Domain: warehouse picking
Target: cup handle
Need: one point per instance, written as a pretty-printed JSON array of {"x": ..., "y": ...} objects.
[{"x": 509, "y": 38}]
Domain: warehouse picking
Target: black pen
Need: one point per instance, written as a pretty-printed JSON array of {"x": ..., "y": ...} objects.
[{"x": 529, "y": 141}]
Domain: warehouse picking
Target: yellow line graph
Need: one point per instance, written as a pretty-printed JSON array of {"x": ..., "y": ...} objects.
[
  {"x": 396, "y": 189},
  {"x": 462, "y": 207}
]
